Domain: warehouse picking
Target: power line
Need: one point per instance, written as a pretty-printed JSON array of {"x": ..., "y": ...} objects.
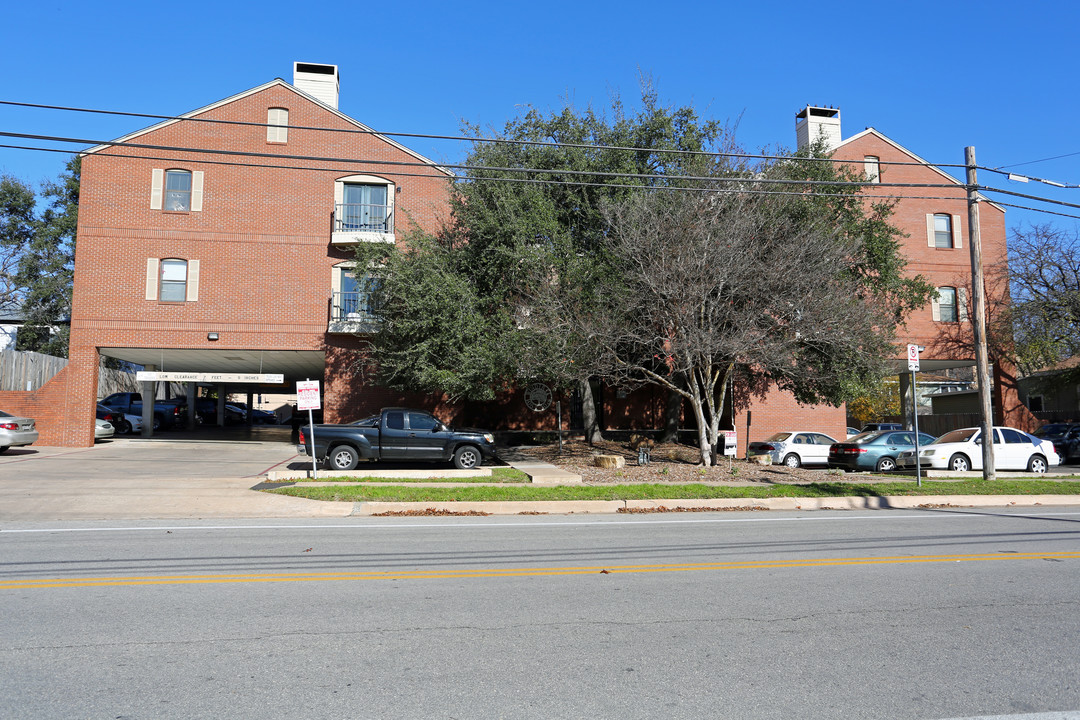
[
  {"x": 472, "y": 178},
  {"x": 460, "y": 138},
  {"x": 1038, "y": 210},
  {"x": 483, "y": 168},
  {"x": 1032, "y": 162}
]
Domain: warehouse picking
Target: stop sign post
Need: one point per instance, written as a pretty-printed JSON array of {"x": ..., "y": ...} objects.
[{"x": 308, "y": 398}]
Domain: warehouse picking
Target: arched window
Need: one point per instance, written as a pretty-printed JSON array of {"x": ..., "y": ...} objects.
[
  {"x": 277, "y": 125},
  {"x": 178, "y": 190},
  {"x": 943, "y": 230},
  {"x": 872, "y": 168},
  {"x": 174, "y": 277},
  {"x": 945, "y": 306}
]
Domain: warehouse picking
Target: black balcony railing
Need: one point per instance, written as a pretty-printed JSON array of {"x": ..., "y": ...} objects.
[
  {"x": 355, "y": 217},
  {"x": 352, "y": 307}
]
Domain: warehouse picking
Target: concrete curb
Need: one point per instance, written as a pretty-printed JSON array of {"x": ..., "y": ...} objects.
[{"x": 590, "y": 507}]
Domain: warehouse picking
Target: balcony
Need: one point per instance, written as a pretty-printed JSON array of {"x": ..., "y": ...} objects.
[
  {"x": 350, "y": 313},
  {"x": 357, "y": 223}
]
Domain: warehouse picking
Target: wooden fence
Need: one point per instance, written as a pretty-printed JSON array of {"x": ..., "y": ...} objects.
[{"x": 28, "y": 371}]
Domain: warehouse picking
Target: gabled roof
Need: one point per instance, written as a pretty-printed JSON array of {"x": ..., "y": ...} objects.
[
  {"x": 913, "y": 156},
  {"x": 254, "y": 91}
]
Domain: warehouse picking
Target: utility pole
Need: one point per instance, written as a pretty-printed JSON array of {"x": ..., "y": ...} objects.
[{"x": 978, "y": 322}]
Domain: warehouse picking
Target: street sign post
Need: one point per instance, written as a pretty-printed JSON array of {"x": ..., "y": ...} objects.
[
  {"x": 308, "y": 398},
  {"x": 913, "y": 366}
]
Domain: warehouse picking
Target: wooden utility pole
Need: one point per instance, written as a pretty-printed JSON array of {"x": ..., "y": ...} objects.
[{"x": 978, "y": 320}]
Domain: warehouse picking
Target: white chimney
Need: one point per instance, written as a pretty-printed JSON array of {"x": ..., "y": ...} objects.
[
  {"x": 813, "y": 122},
  {"x": 319, "y": 81}
]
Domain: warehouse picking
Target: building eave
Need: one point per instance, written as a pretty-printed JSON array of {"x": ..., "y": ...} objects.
[
  {"x": 913, "y": 156},
  {"x": 258, "y": 89}
]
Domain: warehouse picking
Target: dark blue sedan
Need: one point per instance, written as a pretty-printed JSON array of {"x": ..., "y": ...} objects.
[{"x": 875, "y": 451}]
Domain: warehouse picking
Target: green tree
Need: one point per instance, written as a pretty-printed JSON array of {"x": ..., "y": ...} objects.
[
  {"x": 511, "y": 230},
  {"x": 45, "y": 271},
  {"x": 17, "y": 228},
  {"x": 37, "y": 253},
  {"x": 797, "y": 287}
]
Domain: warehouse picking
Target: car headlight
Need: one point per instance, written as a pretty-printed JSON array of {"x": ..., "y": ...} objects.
[{"x": 490, "y": 438}]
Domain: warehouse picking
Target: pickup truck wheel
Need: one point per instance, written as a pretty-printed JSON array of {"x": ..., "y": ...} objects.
[
  {"x": 342, "y": 457},
  {"x": 467, "y": 457},
  {"x": 157, "y": 423}
]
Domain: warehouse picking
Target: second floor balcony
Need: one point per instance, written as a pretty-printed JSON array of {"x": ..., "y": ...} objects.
[
  {"x": 351, "y": 312},
  {"x": 363, "y": 222}
]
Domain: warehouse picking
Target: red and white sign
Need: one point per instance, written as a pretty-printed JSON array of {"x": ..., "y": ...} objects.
[
  {"x": 307, "y": 395},
  {"x": 913, "y": 357}
]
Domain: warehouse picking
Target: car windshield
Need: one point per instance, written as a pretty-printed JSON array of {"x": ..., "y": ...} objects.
[
  {"x": 866, "y": 437},
  {"x": 964, "y": 435},
  {"x": 779, "y": 437},
  {"x": 372, "y": 421},
  {"x": 4, "y": 414},
  {"x": 1052, "y": 429}
]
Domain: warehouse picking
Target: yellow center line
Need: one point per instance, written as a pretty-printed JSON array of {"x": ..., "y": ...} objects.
[{"x": 24, "y": 584}]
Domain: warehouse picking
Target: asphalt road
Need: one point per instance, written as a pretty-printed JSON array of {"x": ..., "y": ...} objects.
[{"x": 887, "y": 614}]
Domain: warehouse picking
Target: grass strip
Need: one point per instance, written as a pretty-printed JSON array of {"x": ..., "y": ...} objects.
[
  {"x": 498, "y": 475},
  {"x": 394, "y": 493}
]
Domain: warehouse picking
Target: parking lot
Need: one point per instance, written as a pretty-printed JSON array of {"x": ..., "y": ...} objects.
[{"x": 204, "y": 474}]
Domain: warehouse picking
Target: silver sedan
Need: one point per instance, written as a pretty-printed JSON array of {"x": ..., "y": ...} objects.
[{"x": 16, "y": 431}]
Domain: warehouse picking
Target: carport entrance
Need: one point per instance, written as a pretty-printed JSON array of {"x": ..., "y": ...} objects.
[{"x": 226, "y": 372}]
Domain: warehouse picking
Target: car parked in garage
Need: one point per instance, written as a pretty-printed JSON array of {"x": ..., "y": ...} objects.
[
  {"x": 875, "y": 451},
  {"x": 16, "y": 431},
  {"x": 961, "y": 450},
  {"x": 103, "y": 429},
  {"x": 123, "y": 423},
  {"x": 795, "y": 448}
]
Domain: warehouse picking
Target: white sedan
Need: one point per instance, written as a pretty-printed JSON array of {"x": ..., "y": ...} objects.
[
  {"x": 961, "y": 450},
  {"x": 795, "y": 448}
]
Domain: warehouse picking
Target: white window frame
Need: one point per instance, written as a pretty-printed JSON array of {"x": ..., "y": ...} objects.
[
  {"x": 872, "y": 168},
  {"x": 157, "y": 189},
  {"x": 955, "y": 231},
  {"x": 959, "y": 298},
  {"x": 356, "y": 236},
  {"x": 154, "y": 269},
  {"x": 277, "y": 125}
]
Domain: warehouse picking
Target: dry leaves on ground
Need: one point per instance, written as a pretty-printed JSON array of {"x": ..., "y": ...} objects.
[{"x": 670, "y": 462}]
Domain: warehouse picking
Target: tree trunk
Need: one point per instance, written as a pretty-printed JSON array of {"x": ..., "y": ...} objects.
[
  {"x": 589, "y": 414},
  {"x": 672, "y": 411}
]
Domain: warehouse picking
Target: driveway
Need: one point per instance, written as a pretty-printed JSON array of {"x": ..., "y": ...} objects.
[{"x": 161, "y": 478}]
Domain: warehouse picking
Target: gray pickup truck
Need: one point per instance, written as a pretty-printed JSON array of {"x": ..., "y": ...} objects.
[{"x": 397, "y": 434}]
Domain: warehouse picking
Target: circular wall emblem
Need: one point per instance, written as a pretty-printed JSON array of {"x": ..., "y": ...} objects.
[{"x": 537, "y": 397}]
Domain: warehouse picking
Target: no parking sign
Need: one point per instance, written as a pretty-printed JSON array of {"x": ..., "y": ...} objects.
[
  {"x": 307, "y": 395},
  {"x": 913, "y": 358}
]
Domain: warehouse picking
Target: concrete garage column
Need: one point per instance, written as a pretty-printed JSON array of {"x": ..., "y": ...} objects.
[
  {"x": 221, "y": 405},
  {"x": 907, "y": 395},
  {"x": 191, "y": 409},
  {"x": 148, "y": 391}
]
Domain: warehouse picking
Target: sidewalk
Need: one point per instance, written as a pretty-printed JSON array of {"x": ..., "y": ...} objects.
[{"x": 197, "y": 479}]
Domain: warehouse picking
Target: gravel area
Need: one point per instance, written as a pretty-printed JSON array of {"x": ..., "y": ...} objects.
[{"x": 670, "y": 463}]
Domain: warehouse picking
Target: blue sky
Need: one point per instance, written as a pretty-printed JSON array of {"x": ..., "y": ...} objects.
[{"x": 933, "y": 76}]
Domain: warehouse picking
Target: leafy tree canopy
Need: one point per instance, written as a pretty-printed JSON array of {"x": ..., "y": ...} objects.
[{"x": 37, "y": 253}]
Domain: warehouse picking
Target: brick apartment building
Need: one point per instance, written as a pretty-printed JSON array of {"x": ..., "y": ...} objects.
[
  {"x": 936, "y": 246},
  {"x": 221, "y": 242}
]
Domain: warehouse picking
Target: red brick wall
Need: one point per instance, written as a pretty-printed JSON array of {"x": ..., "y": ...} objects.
[
  {"x": 48, "y": 407},
  {"x": 262, "y": 238}
]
